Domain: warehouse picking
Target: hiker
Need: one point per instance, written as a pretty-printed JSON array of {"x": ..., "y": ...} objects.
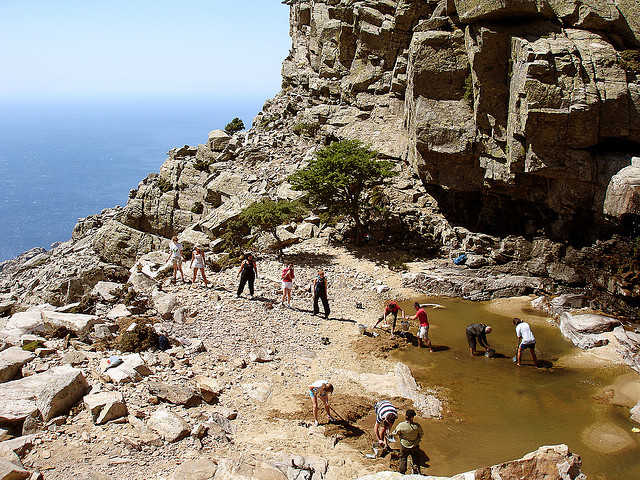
[
  {"x": 175, "y": 250},
  {"x": 409, "y": 433},
  {"x": 386, "y": 415},
  {"x": 527, "y": 340},
  {"x": 477, "y": 332},
  {"x": 423, "y": 331},
  {"x": 320, "y": 293},
  {"x": 391, "y": 308},
  {"x": 320, "y": 389},
  {"x": 287, "y": 283},
  {"x": 248, "y": 273},
  {"x": 198, "y": 258}
]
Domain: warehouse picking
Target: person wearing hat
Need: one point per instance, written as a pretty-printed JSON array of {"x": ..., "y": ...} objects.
[
  {"x": 477, "y": 333},
  {"x": 409, "y": 433},
  {"x": 386, "y": 415}
]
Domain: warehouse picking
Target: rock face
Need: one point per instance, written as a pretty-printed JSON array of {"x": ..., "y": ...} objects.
[
  {"x": 51, "y": 394},
  {"x": 547, "y": 463},
  {"x": 585, "y": 330},
  {"x": 498, "y": 114}
]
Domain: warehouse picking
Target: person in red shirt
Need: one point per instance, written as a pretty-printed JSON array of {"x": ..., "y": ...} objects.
[
  {"x": 391, "y": 308},
  {"x": 287, "y": 283},
  {"x": 423, "y": 331}
]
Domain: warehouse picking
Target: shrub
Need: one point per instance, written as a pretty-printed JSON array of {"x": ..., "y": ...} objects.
[
  {"x": 235, "y": 125},
  {"x": 143, "y": 337},
  {"x": 197, "y": 208},
  {"x": 630, "y": 61},
  {"x": 201, "y": 165},
  {"x": 339, "y": 176},
  {"x": 164, "y": 185},
  {"x": 309, "y": 129},
  {"x": 468, "y": 90}
]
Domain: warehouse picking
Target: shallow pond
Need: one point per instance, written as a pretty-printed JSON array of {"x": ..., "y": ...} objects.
[{"x": 497, "y": 411}]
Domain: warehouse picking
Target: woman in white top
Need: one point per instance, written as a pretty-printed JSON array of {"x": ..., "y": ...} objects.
[
  {"x": 320, "y": 389},
  {"x": 197, "y": 263},
  {"x": 175, "y": 249}
]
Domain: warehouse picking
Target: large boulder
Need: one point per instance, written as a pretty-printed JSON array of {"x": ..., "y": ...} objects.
[
  {"x": 11, "y": 471},
  {"x": 106, "y": 290},
  {"x": 105, "y": 406},
  {"x": 201, "y": 469},
  {"x": 78, "y": 323},
  {"x": 623, "y": 192},
  {"x": 50, "y": 394},
  {"x": 132, "y": 369},
  {"x": 120, "y": 244},
  {"x": 168, "y": 425},
  {"x": 12, "y": 361},
  {"x": 585, "y": 330},
  {"x": 218, "y": 140},
  {"x": 164, "y": 303}
]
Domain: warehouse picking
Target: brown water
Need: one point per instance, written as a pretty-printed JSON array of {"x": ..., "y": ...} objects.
[{"x": 498, "y": 412}]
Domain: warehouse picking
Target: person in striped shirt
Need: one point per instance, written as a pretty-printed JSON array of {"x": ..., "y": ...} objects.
[{"x": 386, "y": 415}]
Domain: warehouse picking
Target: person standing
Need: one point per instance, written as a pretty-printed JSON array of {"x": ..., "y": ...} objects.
[
  {"x": 320, "y": 293},
  {"x": 175, "y": 251},
  {"x": 320, "y": 389},
  {"x": 477, "y": 333},
  {"x": 423, "y": 330},
  {"x": 197, "y": 263},
  {"x": 409, "y": 433},
  {"x": 527, "y": 340},
  {"x": 392, "y": 308},
  {"x": 386, "y": 415},
  {"x": 248, "y": 273},
  {"x": 287, "y": 283}
]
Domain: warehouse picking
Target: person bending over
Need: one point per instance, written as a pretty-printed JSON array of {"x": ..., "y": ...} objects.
[
  {"x": 477, "y": 333},
  {"x": 386, "y": 415},
  {"x": 391, "y": 308},
  {"x": 320, "y": 389}
]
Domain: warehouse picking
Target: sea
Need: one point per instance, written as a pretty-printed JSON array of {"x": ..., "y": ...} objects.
[{"x": 61, "y": 160}]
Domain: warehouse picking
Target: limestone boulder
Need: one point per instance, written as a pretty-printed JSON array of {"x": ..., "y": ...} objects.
[
  {"x": 210, "y": 388},
  {"x": 218, "y": 140},
  {"x": 164, "y": 303},
  {"x": 132, "y": 369},
  {"x": 122, "y": 245},
  {"x": 11, "y": 471},
  {"x": 22, "y": 323},
  {"x": 78, "y": 323},
  {"x": 105, "y": 406},
  {"x": 11, "y": 362},
  {"x": 50, "y": 394},
  {"x": 623, "y": 192},
  {"x": 306, "y": 230},
  {"x": 201, "y": 469},
  {"x": 118, "y": 311},
  {"x": 585, "y": 330},
  {"x": 106, "y": 290},
  {"x": 243, "y": 469},
  {"x": 142, "y": 283},
  {"x": 176, "y": 394},
  {"x": 168, "y": 425}
]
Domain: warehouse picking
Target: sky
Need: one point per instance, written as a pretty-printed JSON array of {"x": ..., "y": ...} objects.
[{"x": 73, "y": 49}]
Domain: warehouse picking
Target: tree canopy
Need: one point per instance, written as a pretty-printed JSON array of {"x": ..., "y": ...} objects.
[
  {"x": 235, "y": 125},
  {"x": 339, "y": 176}
]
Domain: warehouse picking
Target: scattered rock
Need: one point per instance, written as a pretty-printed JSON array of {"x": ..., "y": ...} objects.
[
  {"x": 131, "y": 369},
  {"x": 210, "y": 388},
  {"x": 105, "y": 406},
  {"x": 11, "y": 471},
  {"x": 168, "y": 425},
  {"x": 175, "y": 394},
  {"x": 201, "y": 469},
  {"x": 11, "y": 362},
  {"x": 107, "y": 290}
]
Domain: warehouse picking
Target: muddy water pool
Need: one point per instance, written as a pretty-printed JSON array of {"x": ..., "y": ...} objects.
[{"x": 497, "y": 411}]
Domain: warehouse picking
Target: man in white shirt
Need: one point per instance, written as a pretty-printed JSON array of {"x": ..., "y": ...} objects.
[{"x": 527, "y": 340}]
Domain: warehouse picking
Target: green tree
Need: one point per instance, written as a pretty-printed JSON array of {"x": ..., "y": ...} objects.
[
  {"x": 340, "y": 175},
  {"x": 235, "y": 125},
  {"x": 268, "y": 215}
]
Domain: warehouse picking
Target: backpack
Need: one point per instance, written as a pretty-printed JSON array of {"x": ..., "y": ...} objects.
[{"x": 460, "y": 259}]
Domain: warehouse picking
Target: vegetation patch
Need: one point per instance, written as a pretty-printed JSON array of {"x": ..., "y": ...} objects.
[
  {"x": 630, "y": 61},
  {"x": 468, "y": 90},
  {"x": 164, "y": 185},
  {"x": 235, "y": 125},
  {"x": 308, "y": 129},
  {"x": 141, "y": 338},
  {"x": 201, "y": 165}
]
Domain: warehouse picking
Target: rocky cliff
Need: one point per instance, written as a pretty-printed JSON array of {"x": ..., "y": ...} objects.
[
  {"x": 513, "y": 124},
  {"x": 518, "y": 115}
]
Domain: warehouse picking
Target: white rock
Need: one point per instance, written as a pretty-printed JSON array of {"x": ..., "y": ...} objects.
[
  {"x": 164, "y": 303},
  {"x": 11, "y": 471},
  {"x": 132, "y": 369},
  {"x": 119, "y": 311},
  {"x": 200, "y": 469},
  {"x": 12, "y": 361},
  {"x": 105, "y": 406},
  {"x": 168, "y": 425},
  {"x": 105, "y": 290},
  {"x": 78, "y": 323}
]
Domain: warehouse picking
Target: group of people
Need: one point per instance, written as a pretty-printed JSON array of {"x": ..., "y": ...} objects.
[
  {"x": 393, "y": 308},
  {"x": 408, "y": 433},
  {"x": 477, "y": 334},
  {"x": 248, "y": 273}
]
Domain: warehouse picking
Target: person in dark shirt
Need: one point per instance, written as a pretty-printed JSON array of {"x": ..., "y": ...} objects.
[{"x": 477, "y": 333}]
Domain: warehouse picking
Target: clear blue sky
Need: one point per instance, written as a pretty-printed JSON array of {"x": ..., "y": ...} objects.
[{"x": 119, "y": 48}]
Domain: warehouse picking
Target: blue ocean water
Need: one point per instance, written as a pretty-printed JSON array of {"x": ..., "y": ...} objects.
[{"x": 62, "y": 161}]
